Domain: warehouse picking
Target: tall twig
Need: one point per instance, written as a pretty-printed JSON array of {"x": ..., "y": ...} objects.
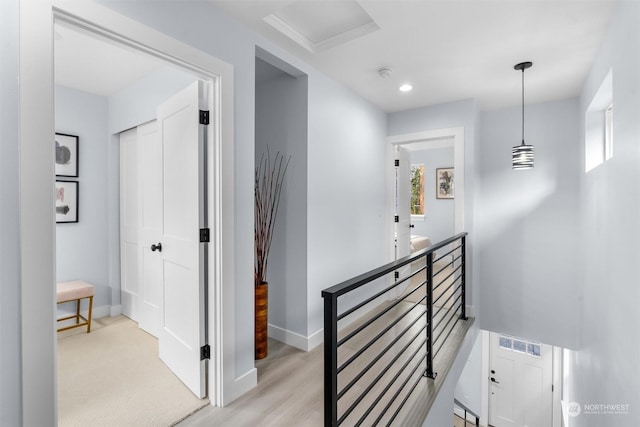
[{"x": 268, "y": 187}]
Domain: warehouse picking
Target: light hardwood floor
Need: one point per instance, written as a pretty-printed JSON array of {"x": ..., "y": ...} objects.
[{"x": 290, "y": 390}]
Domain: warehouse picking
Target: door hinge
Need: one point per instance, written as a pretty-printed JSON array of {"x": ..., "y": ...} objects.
[
  {"x": 396, "y": 162},
  {"x": 396, "y": 219},
  {"x": 551, "y": 388},
  {"x": 205, "y": 352},
  {"x": 204, "y": 117},
  {"x": 204, "y": 235},
  {"x": 396, "y": 275}
]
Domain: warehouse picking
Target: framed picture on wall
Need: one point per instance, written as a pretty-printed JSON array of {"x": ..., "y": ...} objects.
[
  {"x": 66, "y": 201},
  {"x": 444, "y": 183},
  {"x": 66, "y": 155}
]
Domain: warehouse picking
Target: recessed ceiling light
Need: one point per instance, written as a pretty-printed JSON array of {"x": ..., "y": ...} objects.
[{"x": 405, "y": 87}]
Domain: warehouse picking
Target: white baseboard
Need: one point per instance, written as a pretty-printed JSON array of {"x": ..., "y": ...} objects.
[
  {"x": 116, "y": 310},
  {"x": 294, "y": 339},
  {"x": 96, "y": 312}
]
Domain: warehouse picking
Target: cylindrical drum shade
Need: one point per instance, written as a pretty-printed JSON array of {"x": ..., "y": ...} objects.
[{"x": 522, "y": 156}]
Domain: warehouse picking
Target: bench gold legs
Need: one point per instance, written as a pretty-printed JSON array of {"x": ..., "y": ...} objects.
[{"x": 78, "y": 316}]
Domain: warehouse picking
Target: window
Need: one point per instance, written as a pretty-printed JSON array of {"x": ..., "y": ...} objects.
[
  {"x": 520, "y": 345},
  {"x": 598, "y": 121},
  {"x": 608, "y": 132},
  {"x": 417, "y": 190}
]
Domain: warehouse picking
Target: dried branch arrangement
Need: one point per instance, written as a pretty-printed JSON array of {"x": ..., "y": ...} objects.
[{"x": 268, "y": 187}]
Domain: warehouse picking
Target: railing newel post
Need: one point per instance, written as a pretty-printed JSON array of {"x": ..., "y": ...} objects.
[
  {"x": 463, "y": 244},
  {"x": 330, "y": 360},
  {"x": 429, "y": 329}
]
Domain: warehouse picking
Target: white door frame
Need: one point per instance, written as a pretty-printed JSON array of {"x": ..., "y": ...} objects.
[
  {"x": 36, "y": 188},
  {"x": 431, "y": 136}
]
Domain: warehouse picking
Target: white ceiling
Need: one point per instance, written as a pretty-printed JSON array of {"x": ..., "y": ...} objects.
[
  {"x": 95, "y": 65},
  {"x": 447, "y": 49}
]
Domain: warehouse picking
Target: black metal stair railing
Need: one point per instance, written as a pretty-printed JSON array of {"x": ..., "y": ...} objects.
[{"x": 383, "y": 330}]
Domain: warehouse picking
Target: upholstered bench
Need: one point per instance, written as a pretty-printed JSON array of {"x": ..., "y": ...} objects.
[{"x": 76, "y": 290}]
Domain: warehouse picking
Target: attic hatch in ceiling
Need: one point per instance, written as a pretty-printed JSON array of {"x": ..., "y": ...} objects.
[{"x": 320, "y": 25}]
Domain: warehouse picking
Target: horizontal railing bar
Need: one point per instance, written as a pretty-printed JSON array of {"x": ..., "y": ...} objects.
[
  {"x": 435, "y": 288},
  {"x": 376, "y": 338},
  {"x": 373, "y": 319},
  {"x": 443, "y": 292},
  {"x": 382, "y": 353},
  {"x": 454, "y": 307},
  {"x": 447, "y": 290},
  {"x": 406, "y": 397},
  {"x": 447, "y": 253},
  {"x": 395, "y": 377},
  {"x": 444, "y": 316},
  {"x": 363, "y": 279},
  {"x": 446, "y": 324},
  {"x": 381, "y": 374},
  {"x": 440, "y": 307},
  {"x": 435, "y": 353},
  {"x": 379, "y": 294},
  {"x": 447, "y": 265},
  {"x": 463, "y": 406},
  {"x": 395, "y": 396}
]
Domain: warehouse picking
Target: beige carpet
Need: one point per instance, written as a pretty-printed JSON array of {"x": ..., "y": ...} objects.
[{"x": 113, "y": 377}]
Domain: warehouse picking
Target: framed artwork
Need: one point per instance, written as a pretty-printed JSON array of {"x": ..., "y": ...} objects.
[
  {"x": 66, "y": 155},
  {"x": 66, "y": 201},
  {"x": 444, "y": 183}
]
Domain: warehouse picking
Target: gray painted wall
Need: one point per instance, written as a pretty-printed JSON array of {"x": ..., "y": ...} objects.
[
  {"x": 526, "y": 225},
  {"x": 81, "y": 252},
  {"x": 604, "y": 368},
  {"x": 281, "y": 125},
  {"x": 438, "y": 221},
  {"x": 10, "y": 283},
  {"x": 347, "y": 198}
]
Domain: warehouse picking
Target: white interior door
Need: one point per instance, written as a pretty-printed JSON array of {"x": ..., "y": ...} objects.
[
  {"x": 520, "y": 383},
  {"x": 150, "y": 231},
  {"x": 403, "y": 210},
  {"x": 182, "y": 140},
  {"x": 130, "y": 248}
]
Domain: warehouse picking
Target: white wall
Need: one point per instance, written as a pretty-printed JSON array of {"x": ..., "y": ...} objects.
[
  {"x": 526, "y": 225},
  {"x": 281, "y": 126},
  {"x": 438, "y": 221},
  {"x": 81, "y": 249},
  {"x": 469, "y": 390},
  {"x": 347, "y": 197},
  {"x": 10, "y": 356},
  {"x": 441, "y": 411},
  {"x": 136, "y": 104},
  {"x": 453, "y": 114},
  {"x": 604, "y": 369},
  {"x": 339, "y": 123}
]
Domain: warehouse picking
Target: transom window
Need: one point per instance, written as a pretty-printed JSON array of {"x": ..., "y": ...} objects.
[{"x": 532, "y": 348}]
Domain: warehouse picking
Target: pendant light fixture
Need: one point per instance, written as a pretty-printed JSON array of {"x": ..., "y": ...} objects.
[{"x": 522, "y": 155}]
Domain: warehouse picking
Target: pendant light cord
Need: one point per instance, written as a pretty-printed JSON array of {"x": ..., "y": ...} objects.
[{"x": 523, "y": 106}]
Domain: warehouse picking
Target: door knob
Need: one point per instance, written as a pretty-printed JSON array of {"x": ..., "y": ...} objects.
[
  {"x": 493, "y": 372},
  {"x": 157, "y": 247},
  {"x": 493, "y": 380}
]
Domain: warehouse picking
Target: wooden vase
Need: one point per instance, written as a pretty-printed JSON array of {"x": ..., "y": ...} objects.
[{"x": 261, "y": 306}]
